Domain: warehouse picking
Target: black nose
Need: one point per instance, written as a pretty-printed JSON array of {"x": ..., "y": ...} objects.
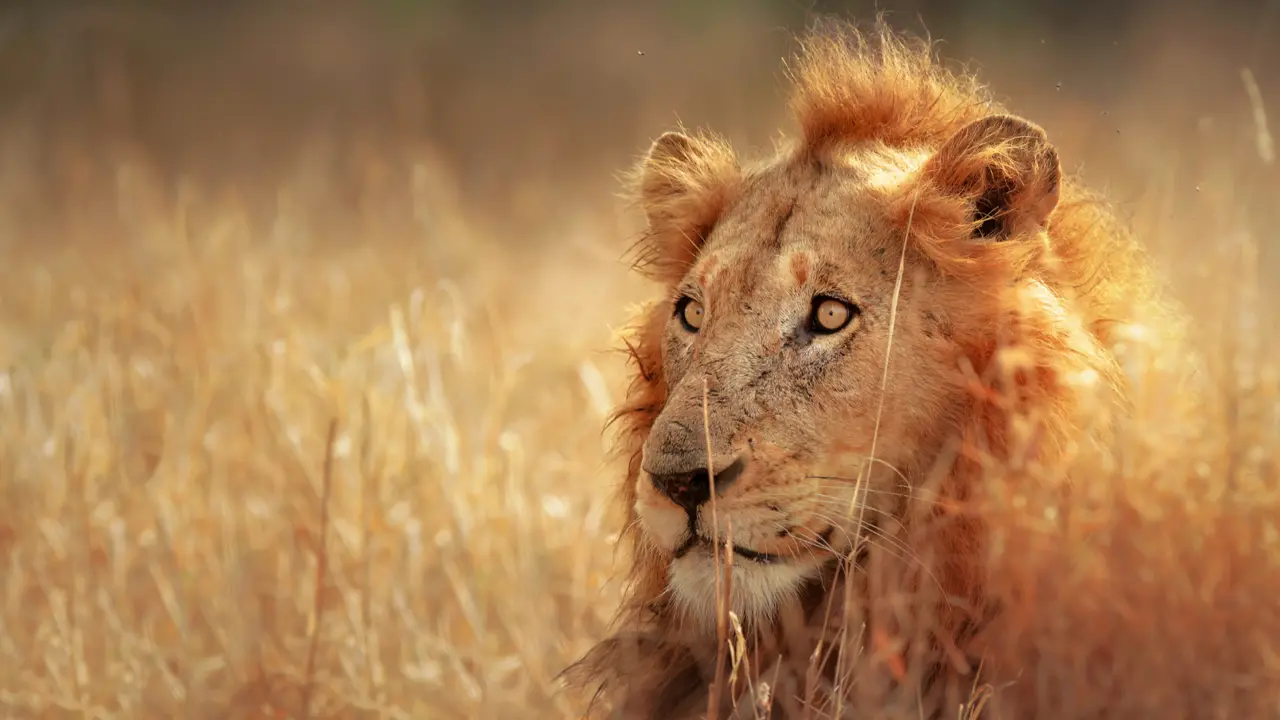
[{"x": 693, "y": 489}]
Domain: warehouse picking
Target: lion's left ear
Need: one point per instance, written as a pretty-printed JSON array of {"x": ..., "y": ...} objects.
[{"x": 1005, "y": 168}]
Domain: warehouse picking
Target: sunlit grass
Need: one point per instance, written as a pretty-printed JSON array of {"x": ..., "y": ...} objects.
[{"x": 168, "y": 472}]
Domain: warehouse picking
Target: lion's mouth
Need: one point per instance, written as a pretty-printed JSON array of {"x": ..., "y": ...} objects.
[{"x": 698, "y": 541}]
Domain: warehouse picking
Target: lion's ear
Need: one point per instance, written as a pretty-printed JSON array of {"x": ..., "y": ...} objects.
[
  {"x": 685, "y": 182},
  {"x": 666, "y": 174},
  {"x": 680, "y": 172},
  {"x": 1005, "y": 168}
]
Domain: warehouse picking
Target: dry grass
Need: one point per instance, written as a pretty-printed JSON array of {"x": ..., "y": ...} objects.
[
  {"x": 246, "y": 473},
  {"x": 240, "y": 471}
]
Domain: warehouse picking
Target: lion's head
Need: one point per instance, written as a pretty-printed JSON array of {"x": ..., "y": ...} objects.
[{"x": 849, "y": 322}]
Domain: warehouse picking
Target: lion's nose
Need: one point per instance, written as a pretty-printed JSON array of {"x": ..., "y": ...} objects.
[
  {"x": 691, "y": 490},
  {"x": 688, "y": 490}
]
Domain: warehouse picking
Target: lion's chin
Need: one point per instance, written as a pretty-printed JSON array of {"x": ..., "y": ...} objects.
[{"x": 757, "y": 592}]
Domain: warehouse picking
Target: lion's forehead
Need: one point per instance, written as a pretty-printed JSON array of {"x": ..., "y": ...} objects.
[
  {"x": 740, "y": 267},
  {"x": 798, "y": 222},
  {"x": 818, "y": 244}
]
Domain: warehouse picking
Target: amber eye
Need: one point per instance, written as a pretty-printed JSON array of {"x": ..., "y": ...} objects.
[
  {"x": 690, "y": 312},
  {"x": 830, "y": 315}
]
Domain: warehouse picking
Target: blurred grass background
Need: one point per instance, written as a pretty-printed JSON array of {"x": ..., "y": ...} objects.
[{"x": 327, "y": 290}]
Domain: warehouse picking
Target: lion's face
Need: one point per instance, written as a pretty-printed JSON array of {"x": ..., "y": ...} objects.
[{"x": 774, "y": 343}]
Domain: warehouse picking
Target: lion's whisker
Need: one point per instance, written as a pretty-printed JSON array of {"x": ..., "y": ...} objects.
[
  {"x": 901, "y": 524},
  {"x": 897, "y": 472},
  {"x": 868, "y": 527}
]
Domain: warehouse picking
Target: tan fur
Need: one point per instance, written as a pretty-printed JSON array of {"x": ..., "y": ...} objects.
[{"x": 998, "y": 283}]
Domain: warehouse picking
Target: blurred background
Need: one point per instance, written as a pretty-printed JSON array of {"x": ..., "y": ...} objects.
[
  {"x": 526, "y": 111},
  {"x": 224, "y": 225}
]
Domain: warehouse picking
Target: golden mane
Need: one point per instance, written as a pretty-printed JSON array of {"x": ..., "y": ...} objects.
[
  {"x": 856, "y": 88},
  {"x": 878, "y": 86}
]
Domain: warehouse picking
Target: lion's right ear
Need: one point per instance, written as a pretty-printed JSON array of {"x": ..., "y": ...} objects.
[{"x": 685, "y": 182}]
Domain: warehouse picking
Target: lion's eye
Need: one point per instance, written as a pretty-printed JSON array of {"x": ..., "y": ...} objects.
[
  {"x": 830, "y": 315},
  {"x": 690, "y": 312}
]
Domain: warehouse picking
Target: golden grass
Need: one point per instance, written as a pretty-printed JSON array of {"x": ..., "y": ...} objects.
[
  {"x": 244, "y": 473},
  {"x": 183, "y": 537}
]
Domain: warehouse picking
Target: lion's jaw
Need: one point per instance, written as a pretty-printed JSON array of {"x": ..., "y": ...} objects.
[
  {"x": 755, "y": 592},
  {"x": 782, "y": 520},
  {"x": 766, "y": 570}
]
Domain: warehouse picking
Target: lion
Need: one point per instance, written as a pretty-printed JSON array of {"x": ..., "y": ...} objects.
[{"x": 850, "y": 333}]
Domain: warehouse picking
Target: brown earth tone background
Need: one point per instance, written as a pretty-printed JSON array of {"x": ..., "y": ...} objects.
[{"x": 306, "y": 312}]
